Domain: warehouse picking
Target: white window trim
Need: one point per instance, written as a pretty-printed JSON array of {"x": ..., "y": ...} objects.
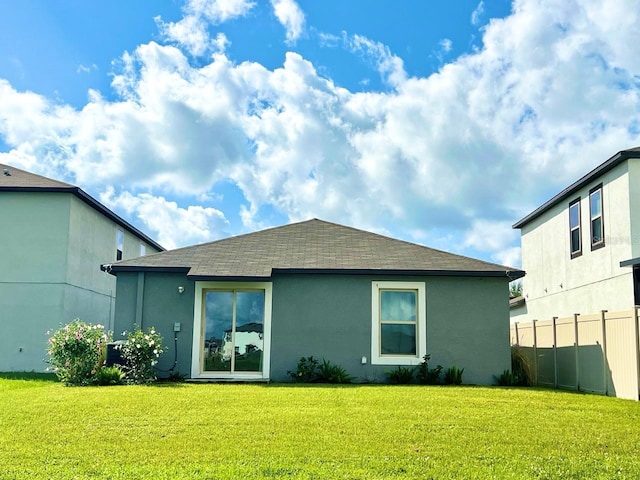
[
  {"x": 199, "y": 325},
  {"x": 421, "y": 327}
]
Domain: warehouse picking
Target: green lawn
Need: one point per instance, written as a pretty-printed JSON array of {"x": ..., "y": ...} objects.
[{"x": 312, "y": 432}]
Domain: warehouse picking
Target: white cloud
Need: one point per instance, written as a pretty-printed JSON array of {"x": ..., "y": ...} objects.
[
  {"x": 476, "y": 15},
  {"x": 170, "y": 224},
  {"x": 192, "y": 31},
  {"x": 219, "y": 11},
  {"x": 291, "y": 17},
  {"x": 553, "y": 92},
  {"x": 446, "y": 45},
  {"x": 390, "y": 66},
  {"x": 86, "y": 69}
]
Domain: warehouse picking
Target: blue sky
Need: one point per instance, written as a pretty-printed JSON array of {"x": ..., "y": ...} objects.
[{"x": 437, "y": 122}]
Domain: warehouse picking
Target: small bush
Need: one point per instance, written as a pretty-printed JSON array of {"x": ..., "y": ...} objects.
[
  {"x": 401, "y": 375},
  {"x": 109, "y": 376},
  {"x": 310, "y": 370},
  {"x": 507, "y": 379},
  {"x": 139, "y": 353},
  {"x": 426, "y": 375},
  {"x": 453, "y": 376},
  {"x": 77, "y": 351},
  {"x": 306, "y": 371},
  {"x": 330, "y": 373}
]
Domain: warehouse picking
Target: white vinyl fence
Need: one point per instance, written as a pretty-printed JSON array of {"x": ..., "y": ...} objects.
[{"x": 591, "y": 353}]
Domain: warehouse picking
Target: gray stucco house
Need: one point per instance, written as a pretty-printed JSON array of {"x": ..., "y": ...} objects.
[
  {"x": 248, "y": 307},
  {"x": 53, "y": 239}
]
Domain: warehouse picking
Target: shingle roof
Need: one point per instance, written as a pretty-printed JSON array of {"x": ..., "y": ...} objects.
[
  {"x": 601, "y": 169},
  {"x": 13, "y": 179},
  {"x": 311, "y": 246}
]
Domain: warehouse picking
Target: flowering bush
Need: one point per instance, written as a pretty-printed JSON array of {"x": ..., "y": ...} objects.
[
  {"x": 139, "y": 353},
  {"x": 77, "y": 351}
]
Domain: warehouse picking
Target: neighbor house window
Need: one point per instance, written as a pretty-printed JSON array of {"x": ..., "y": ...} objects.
[
  {"x": 398, "y": 323},
  {"x": 143, "y": 250},
  {"x": 231, "y": 338},
  {"x": 575, "y": 237},
  {"x": 119, "y": 244},
  {"x": 597, "y": 219}
]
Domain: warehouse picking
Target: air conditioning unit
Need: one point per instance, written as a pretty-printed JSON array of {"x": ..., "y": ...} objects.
[{"x": 114, "y": 355}]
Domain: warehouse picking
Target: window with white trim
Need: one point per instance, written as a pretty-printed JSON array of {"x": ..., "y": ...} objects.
[
  {"x": 398, "y": 324},
  {"x": 232, "y": 330}
]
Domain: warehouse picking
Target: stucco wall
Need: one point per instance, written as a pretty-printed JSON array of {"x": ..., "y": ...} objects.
[
  {"x": 330, "y": 316},
  {"x": 26, "y": 313},
  {"x": 53, "y": 245},
  {"x": 152, "y": 299},
  {"x": 556, "y": 284},
  {"x": 34, "y": 236},
  {"x": 634, "y": 205}
]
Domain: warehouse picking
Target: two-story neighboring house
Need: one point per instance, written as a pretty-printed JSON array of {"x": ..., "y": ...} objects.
[
  {"x": 581, "y": 249},
  {"x": 53, "y": 239}
]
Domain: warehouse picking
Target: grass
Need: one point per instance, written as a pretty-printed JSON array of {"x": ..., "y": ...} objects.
[{"x": 308, "y": 432}]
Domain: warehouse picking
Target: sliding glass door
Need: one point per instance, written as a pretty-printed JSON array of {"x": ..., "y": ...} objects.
[{"x": 233, "y": 333}]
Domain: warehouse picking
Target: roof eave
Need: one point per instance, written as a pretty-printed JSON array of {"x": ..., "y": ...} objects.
[
  {"x": 512, "y": 274},
  {"x": 114, "y": 269},
  {"x": 601, "y": 169},
  {"x": 93, "y": 203}
]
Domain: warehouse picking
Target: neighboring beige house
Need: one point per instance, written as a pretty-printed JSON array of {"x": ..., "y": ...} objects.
[
  {"x": 581, "y": 249},
  {"x": 53, "y": 239}
]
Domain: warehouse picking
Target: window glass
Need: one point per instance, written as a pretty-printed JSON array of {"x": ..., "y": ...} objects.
[
  {"x": 218, "y": 329},
  {"x": 596, "y": 203},
  {"x": 397, "y": 305},
  {"x": 397, "y": 339},
  {"x": 574, "y": 215},
  {"x": 234, "y": 331},
  {"x": 119, "y": 244},
  {"x": 143, "y": 250},
  {"x": 596, "y": 228},
  {"x": 249, "y": 331},
  {"x": 398, "y": 315}
]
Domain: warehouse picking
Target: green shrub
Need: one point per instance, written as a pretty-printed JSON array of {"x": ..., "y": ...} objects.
[
  {"x": 507, "y": 379},
  {"x": 109, "y": 376},
  {"x": 426, "y": 375},
  {"x": 401, "y": 375},
  {"x": 140, "y": 353},
  {"x": 453, "y": 376},
  {"x": 330, "y": 373},
  {"x": 307, "y": 370},
  {"x": 310, "y": 370},
  {"x": 77, "y": 352}
]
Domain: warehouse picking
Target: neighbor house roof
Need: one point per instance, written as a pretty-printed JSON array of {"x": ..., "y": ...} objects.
[
  {"x": 601, "y": 169},
  {"x": 313, "y": 246},
  {"x": 13, "y": 179}
]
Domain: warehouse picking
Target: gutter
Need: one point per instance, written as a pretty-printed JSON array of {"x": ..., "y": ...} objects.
[{"x": 601, "y": 169}]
